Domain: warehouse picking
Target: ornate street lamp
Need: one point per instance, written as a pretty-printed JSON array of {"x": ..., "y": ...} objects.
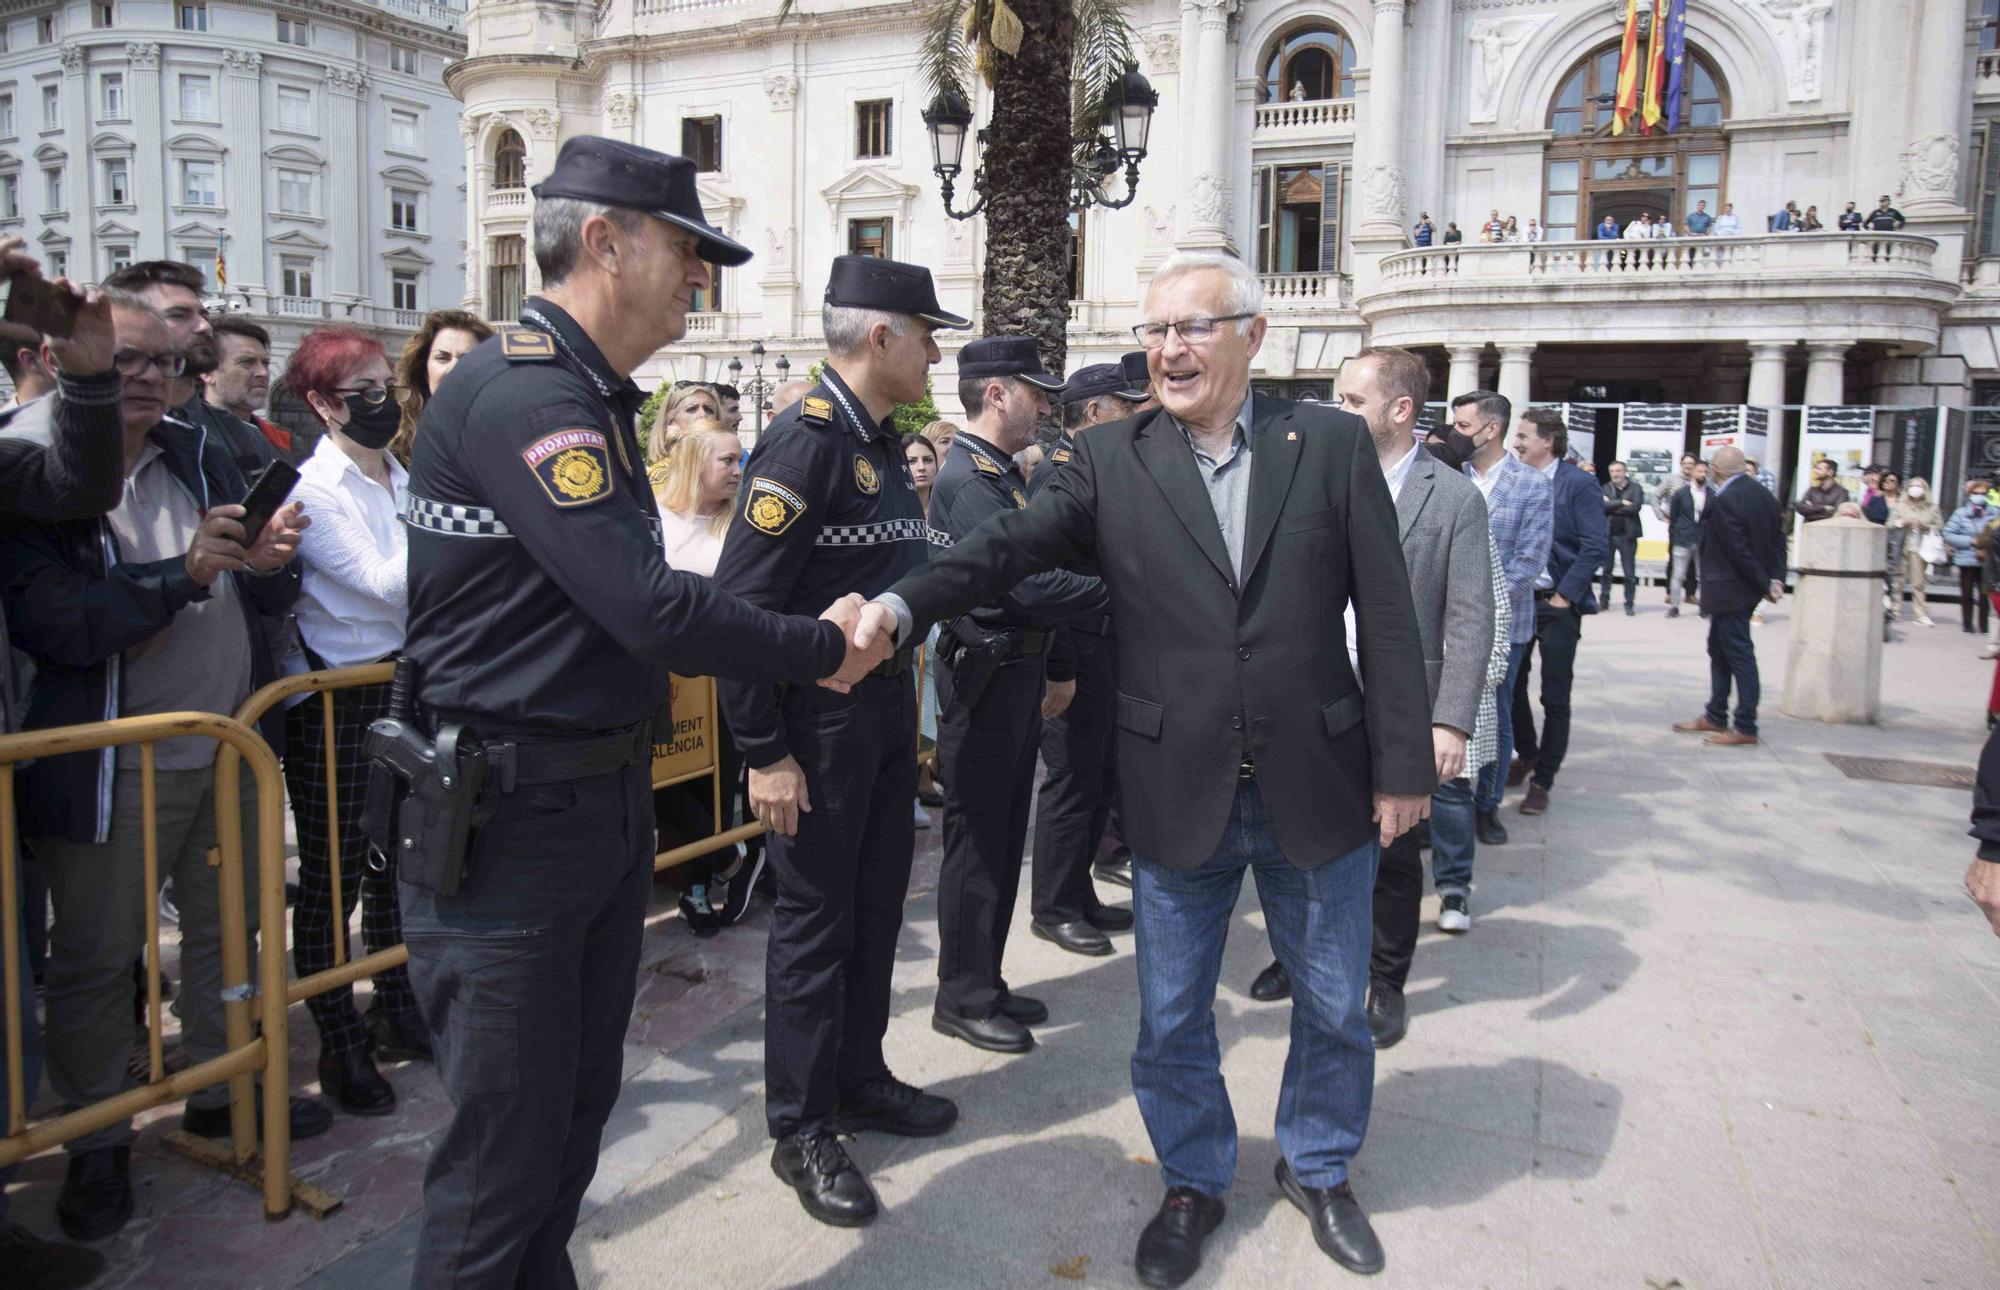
[
  {"x": 1128, "y": 115},
  {"x": 949, "y": 120},
  {"x": 758, "y": 388}
]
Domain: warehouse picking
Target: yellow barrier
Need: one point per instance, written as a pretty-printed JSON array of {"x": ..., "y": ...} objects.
[
  {"x": 243, "y": 1055},
  {"x": 688, "y": 751}
]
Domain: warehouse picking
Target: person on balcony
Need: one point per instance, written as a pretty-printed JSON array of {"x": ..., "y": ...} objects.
[
  {"x": 1884, "y": 218},
  {"x": 1607, "y": 229},
  {"x": 1641, "y": 229},
  {"x": 1811, "y": 222},
  {"x": 1452, "y": 235},
  {"x": 1663, "y": 227},
  {"x": 1493, "y": 229},
  {"x": 1850, "y": 220},
  {"x": 1787, "y": 220},
  {"x": 1536, "y": 232},
  {"x": 1728, "y": 224},
  {"x": 1699, "y": 221},
  {"x": 1424, "y": 231},
  {"x": 1510, "y": 230}
]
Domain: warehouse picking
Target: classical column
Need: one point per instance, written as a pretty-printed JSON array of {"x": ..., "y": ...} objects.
[
  {"x": 1464, "y": 377},
  {"x": 82, "y": 195},
  {"x": 243, "y": 100},
  {"x": 478, "y": 182},
  {"x": 780, "y": 281},
  {"x": 1516, "y": 371},
  {"x": 1826, "y": 373},
  {"x": 347, "y": 233},
  {"x": 1380, "y": 176},
  {"x": 1210, "y": 93},
  {"x": 1931, "y": 154},
  {"x": 544, "y": 129},
  {"x": 1767, "y": 391},
  {"x": 148, "y": 159}
]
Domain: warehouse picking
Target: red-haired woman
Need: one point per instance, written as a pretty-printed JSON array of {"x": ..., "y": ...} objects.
[{"x": 352, "y": 610}]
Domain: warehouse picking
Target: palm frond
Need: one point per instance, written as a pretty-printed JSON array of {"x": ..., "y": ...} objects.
[
  {"x": 942, "y": 55},
  {"x": 1102, "y": 51}
]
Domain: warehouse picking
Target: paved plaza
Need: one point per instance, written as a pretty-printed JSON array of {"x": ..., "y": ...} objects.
[{"x": 1725, "y": 1019}]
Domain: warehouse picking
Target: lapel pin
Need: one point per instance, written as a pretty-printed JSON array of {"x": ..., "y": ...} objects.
[{"x": 1291, "y": 436}]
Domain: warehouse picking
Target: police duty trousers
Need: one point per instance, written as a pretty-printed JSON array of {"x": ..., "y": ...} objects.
[
  {"x": 986, "y": 758},
  {"x": 525, "y": 977},
  {"x": 841, "y": 881},
  {"x": 1073, "y": 804}
]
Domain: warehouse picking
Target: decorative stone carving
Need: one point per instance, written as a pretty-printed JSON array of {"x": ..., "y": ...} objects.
[
  {"x": 143, "y": 55},
  {"x": 1159, "y": 228},
  {"x": 1162, "y": 51},
  {"x": 1930, "y": 167},
  {"x": 72, "y": 59},
  {"x": 1802, "y": 25},
  {"x": 1496, "y": 47},
  {"x": 782, "y": 88},
  {"x": 1382, "y": 192},
  {"x": 1214, "y": 13},
  {"x": 958, "y": 242},
  {"x": 619, "y": 105},
  {"x": 347, "y": 80},
  {"x": 1206, "y": 201},
  {"x": 243, "y": 62},
  {"x": 543, "y": 124},
  {"x": 468, "y": 126},
  {"x": 778, "y": 244}
]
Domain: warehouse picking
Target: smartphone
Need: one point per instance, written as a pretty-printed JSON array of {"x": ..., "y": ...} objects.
[
  {"x": 38, "y": 303},
  {"x": 265, "y": 497}
]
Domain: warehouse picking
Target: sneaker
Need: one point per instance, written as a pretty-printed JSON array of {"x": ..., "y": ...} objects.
[
  {"x": 169, "y": 911},
  {"x": 923, "y": 821},
  {"x": 736, "y": 900},
  {"x": 696, "y": 912},
  {"x": 1454, "y": 913},
  {"x": 1925, "y": 620},
  {"x": 1674, "y": 611}
]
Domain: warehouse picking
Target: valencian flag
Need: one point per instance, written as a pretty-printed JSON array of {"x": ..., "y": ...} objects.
[
  {"x": 1656, "y": 68},
  {"x": 1627, "y": 101},
  {"x": 1677, "y": 42},
  {"x": 221, "y": 269}
]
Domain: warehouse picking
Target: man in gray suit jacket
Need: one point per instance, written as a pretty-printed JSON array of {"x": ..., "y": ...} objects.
[{"x": 1441, "y": 519}]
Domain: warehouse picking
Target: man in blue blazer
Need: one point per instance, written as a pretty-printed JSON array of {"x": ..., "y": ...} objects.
[{"x": 1563, "y": 595}]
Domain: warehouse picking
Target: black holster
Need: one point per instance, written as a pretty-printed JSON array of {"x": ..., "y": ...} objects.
[
  {"x": 974, "y": 655},
  {"x": 426, "y": 798}
]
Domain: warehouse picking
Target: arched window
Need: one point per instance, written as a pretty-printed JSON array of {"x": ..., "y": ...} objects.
[
  {"x": 1590, "y": 173},
  {"x": 510, "y": 161},
  {"x": 1315, "y": 62}
]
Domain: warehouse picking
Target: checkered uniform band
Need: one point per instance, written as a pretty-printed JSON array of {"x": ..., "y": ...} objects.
[
  {"x": 457, "y": 521},
  {"x": 871, "y": 534},
  {"x": 939, "y": 538}
]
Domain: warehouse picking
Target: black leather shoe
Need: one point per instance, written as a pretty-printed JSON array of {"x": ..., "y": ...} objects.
[
  {"x": 886, "y": 1104},
  {"x": 96, "y": 1197},
  {"x": 46, "y": 1265},
  {"x": 1492, "y": 833},
  {"x": 399, "y": 1036},
  {"x": 1388, "y": 1018},
  {"x": 1078, "y": 937},
  {"x": 1029, "y": 1012},
  {"x": 1170, "y": 1247},
  {"x": 1110, "y": 918},
  {"x": 1117, "y": 870},
  {"x": 310, "y": 1118},
  {"x": 351, "y": 1080},
  {"x": 998, "y": 1033},
  {"x": 1272, "y": 984},
  {"x": 1338, "y": 1224},
  {"x": 830, "y": 1186}
]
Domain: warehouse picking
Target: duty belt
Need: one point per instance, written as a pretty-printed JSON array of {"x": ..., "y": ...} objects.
[
  {"x": 1095, "y": 624},
  {"x": 896, "y": 664},
  {"x": 516, "y": 762},
  {"x": 1034, "y": 640}
]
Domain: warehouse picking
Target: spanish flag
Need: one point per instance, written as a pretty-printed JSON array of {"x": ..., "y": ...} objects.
[
  {"x": 1656, "y": 69},
  {"x": 1627, "y": 101},
  {"x": 221, "y": 269}
]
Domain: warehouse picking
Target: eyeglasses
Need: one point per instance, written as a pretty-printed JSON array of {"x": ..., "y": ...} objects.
[
  {"x": 372, "y": 395},
  {"x": 1192, "y": 330},
  {"x": 133, "y": 362}
]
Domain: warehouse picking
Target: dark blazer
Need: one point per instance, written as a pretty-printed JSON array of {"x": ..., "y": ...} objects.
[
  {"x": 1683, "y": 525},
  {"x": 1212, "y": 672},
  {"x": 1581, "y": 538},
  {"x": 1742, "y": 547}
]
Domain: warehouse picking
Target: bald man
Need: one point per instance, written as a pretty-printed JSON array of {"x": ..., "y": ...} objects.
[{"x": 1742, "y": 564}]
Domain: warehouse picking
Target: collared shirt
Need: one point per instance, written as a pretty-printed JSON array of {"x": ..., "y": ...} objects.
[
  {"x": 1393, "y": 476},
  {"x": 1727, "y": 225},
  {"x": 200, "y": 662},
  {"x": 354, "y": 607},
  {"x": 1228, "y": 481},
  {"x": 1396, "y": 474},
  {"x": 1544, "y": 582}
]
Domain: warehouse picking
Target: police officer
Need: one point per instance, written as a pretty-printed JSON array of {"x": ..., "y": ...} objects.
[
  {"x": 991, "y": 690},
  {"x": 1884, "y": 218},
  {"x": 543, "y": 622},
  {"x": 828, "y": 506},
  {"x": 1074, "y": 801}
]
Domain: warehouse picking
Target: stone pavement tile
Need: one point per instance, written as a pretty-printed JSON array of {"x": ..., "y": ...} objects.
[
  {"x": 1813, "y": 1247},
  {"x": 1797, "y": 1160},
  {"x": 1951, "y": 1107},
  {"x": 1973, "y": 1170},
  {"x": 1430, "y": 1081},
  {"x": 1916, "y": 977},
  {"x": 1918, "y": 1036},
  {"x": 1590, "y": 1113},
  {"x": 1426, "y": 1252},
  {"x": 1659, "y": 1208},
  {"x": 886, "y": 1258}
]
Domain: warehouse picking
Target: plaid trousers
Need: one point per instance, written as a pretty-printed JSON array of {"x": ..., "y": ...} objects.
[{"x": 340, "y": 1026}]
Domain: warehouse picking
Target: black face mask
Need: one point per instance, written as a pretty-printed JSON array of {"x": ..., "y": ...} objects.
[
  {"x": 1452, "y": 448},
  {"x": 372, "y": 425}
]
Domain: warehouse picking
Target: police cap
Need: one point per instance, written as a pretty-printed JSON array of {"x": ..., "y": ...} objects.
[
  {"x": 890, "y": 286},
  {"x": 1018, "y": 357},
  {"x": 1098, "y": 380},
  {"x": 1138, "y": 378},
  {"x": 591, "y": 168}
]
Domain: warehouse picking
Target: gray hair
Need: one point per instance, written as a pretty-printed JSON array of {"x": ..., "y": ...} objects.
[
  {"x": 1246, "y": 289},
  {"x": 559, "y": 232},
  {"x": 847, "y": 327},
  {"x": 132, "y": 302}
]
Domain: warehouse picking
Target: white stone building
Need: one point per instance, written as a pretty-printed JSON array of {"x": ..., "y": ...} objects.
[
  {"x": 1309, "y": 135},
  {"x": 310, "y": 142}
]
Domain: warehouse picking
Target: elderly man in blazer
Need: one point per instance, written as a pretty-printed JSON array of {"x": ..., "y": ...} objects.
[
  {"x": 1232, "y": 533},
  {"x": 1742, "y": 565},
  {"x": 1441, "y": 517}
]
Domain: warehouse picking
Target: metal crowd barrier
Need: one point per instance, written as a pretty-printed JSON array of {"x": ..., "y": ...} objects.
[
  {"x": 689, "y": 751},
  {"x": 244, "y": 1053}
]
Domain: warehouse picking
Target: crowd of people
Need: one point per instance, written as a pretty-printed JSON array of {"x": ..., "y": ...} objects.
[{"x": 1698, "y": 222}]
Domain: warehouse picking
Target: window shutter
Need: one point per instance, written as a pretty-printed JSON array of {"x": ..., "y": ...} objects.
[
  {"x": 1989, "y": 193},
  {"x": 1333, "y": 176},
  {"x": 1266, "y": 177}
]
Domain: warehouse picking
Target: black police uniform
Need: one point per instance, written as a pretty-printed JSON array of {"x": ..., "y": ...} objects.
[
  {"x": 989, "y": 727},
  {"x": 1884, "y": 219},
  {"x": 829, "y": 507},
  {"x": 544, "y": 618}
]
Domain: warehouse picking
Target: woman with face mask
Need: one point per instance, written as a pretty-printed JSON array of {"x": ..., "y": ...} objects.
[{"x": 352, "y": 610}]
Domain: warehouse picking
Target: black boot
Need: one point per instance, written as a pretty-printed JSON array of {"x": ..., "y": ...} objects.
[
  {"x": 399, "y": 1035},
  {"x": 96, "y": 1197},
  {"x": 351, "y": 1080},
  {"x": 830, "y": 1186}
]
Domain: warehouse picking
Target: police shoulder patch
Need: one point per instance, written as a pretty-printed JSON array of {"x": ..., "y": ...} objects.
[
  {"x": 527, "y": 346},
  {"x": 770, "y": 506},
  {"x": 1020, "y": 500},
  {"x": 1059, "y": 456},
  {"x": 865, "y": 476},
  {"x": 573, "y": 466},
  {"x": 986, "y": 465},
  {"x": 817, "y": 410}
]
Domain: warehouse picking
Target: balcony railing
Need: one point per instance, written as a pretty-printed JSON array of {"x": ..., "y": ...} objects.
[
  {"x": 651, "y": 7},
  {"x": 1986, "y": 80},
  {"x": 449, "y": 16},
  {"x": 1680, "y": 257},
  {"x": 298, "y": 307},
  {"x": 507, "y": 201},
  {"x": 705, "y": 324},
  {"x": 1298, "y": 291},
  {"x": 1311, "y": 116}
]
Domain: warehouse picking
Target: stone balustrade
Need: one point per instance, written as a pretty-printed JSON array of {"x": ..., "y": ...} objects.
[
  {"x": 1296, "y": 291},
  {"x": 1311, "y": 116},
  {"x": 507, "y": 201},
  {"x": 1986, "y": 77}
]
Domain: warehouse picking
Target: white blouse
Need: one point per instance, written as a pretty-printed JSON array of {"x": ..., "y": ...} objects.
[
  {"x": 354, "y": 607},
  {"x": 689, "y": 544}
]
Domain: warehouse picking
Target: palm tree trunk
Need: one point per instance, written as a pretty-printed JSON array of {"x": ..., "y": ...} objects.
[{"x": 1027, "y": 174}]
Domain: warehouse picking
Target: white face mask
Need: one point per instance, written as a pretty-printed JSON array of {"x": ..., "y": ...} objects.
[{"x": 1918, "y": 492}]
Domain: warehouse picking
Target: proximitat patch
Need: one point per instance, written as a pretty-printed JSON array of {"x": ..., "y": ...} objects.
[
  {"x": 573, "y": 466},
  {"x": 770, "y": 506}
]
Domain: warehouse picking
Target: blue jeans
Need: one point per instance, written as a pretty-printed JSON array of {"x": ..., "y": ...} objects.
[
  {"x": 1320, "y": 922},
  {"x": 1452, "y": 837},
  {"x": 1493, "y": 778},
  {"x": 1732, "y": 656}
]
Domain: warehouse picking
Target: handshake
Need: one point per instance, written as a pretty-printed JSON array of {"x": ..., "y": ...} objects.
[{"x": 870, "y": 630}]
